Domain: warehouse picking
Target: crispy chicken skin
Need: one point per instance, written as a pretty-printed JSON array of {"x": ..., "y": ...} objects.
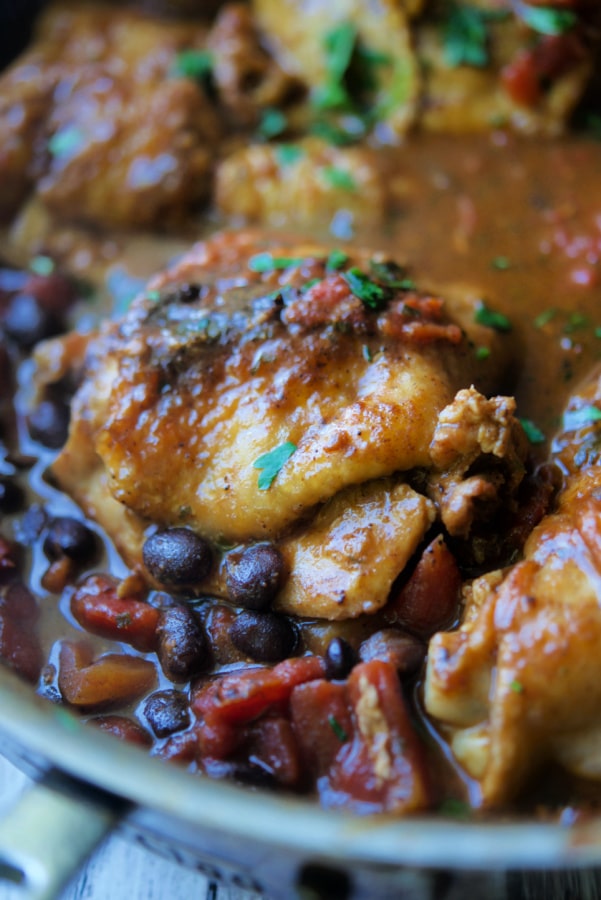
[
  {"x": 245, "y": 351},
  {"x": 518, "y": 683}
]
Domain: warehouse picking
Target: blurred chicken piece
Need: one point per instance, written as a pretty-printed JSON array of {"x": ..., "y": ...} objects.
[
  {"x": 326, "y": 44},
  {"x": 110, "y": 116},
  {"x": 320, "y": 180},
  {"x": 518, "y": 684},
  {"x": 251, "y": 383},
  {"x": 484, "y": 67}
]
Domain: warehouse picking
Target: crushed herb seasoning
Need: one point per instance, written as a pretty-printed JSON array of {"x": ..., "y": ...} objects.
[
  {"x": 337, "y": 729},
  {"x": 272, "y": 462},
  {"x": 546, "y": 20},
  {"x": 372, "y": 295},
  {"x": 339, "y": 178},
  {"x": 491, "y": 318},
  {"x": 265, "y": 262},
  {"x": 532, "y": 431},
  {"x": 194, "y": 64}
]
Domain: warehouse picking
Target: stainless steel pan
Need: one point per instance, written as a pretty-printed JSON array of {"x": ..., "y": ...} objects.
[{"x": 89, "y": 783}]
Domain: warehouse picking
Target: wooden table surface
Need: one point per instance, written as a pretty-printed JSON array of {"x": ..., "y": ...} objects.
[{"x": 120, "y": 870}]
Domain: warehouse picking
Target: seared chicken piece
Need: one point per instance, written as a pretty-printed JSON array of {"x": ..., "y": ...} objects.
[
  {"x": 116, "y": 116},
  {"x": 101, "y": 116},
  {"x": 518, "y": 683},
  {"x": 320, "y": 180},
  {"x": 253, "y": 383}
]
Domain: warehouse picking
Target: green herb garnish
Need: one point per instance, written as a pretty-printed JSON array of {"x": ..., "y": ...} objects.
[
  {"x": 272, "y": 462},
  {"x": 123, "y": 620},
  {"x": 265, "y": 262},
  {"x": 516, "y": 686},
  {"x": 273, "y": 122},
  {"x": 367, "y": 354},
  {"x": 195, "y": 64},
  {"x": 42, "y": 265},
  {"x": 501, "y": 263},
  {"x": 574, "y": 419},
  {"x": 491, "y": 318},
  {"x": 482, "y": 353},
  {"x": 66, "y": 142},
  {"x": 465, "y": 37},
  {"x": 576, "y": 321},
  {"x": 391, "y": 274},
  {"x": 533, "y": 433},
  {"x": 546, "y": 20},
  {"x": 459, "y": 809},
  {"x": 545, "y": 317},
  {"x": 153, "y": 296},
  {"x": 288, "y": 154},
  {"x": 337, "y": 729},
  {"x": 339, "y": 45},
  {"x": 339, "y": 178},
  {"x": 372, "y": 295},
  {"x": 336, "y": 260}
]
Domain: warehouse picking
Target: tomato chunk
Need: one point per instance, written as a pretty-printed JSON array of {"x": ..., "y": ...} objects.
[
  {"x": 98, "y": 608},
  {"x": 239, "y": 698},
  {"x": 381, "y": 767},
  {"x": 19, "y": 643},
  {"x": 429, "y": 599},
  {"x": 322, "y": 721}
]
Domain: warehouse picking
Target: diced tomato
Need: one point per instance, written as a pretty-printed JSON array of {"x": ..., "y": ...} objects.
[
  {"x": 98, "y": 608},
  {"x": 382, "y": 767},
  {"x": 19, "y": 642},
  {"x": 123, "y": 728},
  {"x": 322, "y": 721},
  {"x": 110, "y": 680},
  {"x": 272, "y": 742},
  {"x": 239, "y": 698},
  {"x": 526, "y": 77},
  {"x": 428, "y": 600}
]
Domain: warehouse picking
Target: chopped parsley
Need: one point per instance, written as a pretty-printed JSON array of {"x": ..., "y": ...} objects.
[
  {"x": 273, "y": 122},
  {"x": 574, "y": 419},
  {"x": 42, "y": 265},
  {"x": 482, "y": 353},
  {"x": 545, "y": 317},
  {"x": 465, "y": 36},
  {"x": 501, "y": 263},
  {"x": 153, "y": 296},
  {"x": 309, "y": 284},
  {"x": 516, "y": 686},
  {"x": 66, "y": 142},
  {"x": 123, "y": 620},
  {"x": 266, "y": 262},
  {"x": 391, "y": 274},
  {"x": 576, "y": 321},
  {"x": 533, "y": 433},
  {"x": 288, "y": 154},
  {"x": 272, "y": 462},
  {"x": 336, "y": 260},
  {"x": 339, "y": 44},
  {"x": 458, "y": 809},
  {"x": 367, "y": 354},
  {"x": 339, "y": 178},
  {"x": 371, "y": 294},
  {"x": 337, "y": 729},
  {"x": 491, "y": 318},
  {"x": 546, "y": 20},
  {"x": 194, "y": 64}
]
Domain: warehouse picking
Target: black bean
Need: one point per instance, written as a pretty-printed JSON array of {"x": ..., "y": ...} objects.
[
  {"x": 55, "y": 292},
  {"x": 69, "y": 537},
  {"x": 264, "y": 637},
  {"x": 404, "y": 651},
  {"x": 26, "y": 321},
  {"x": 340, "y": 659},
  {"x": 32, "y": 524},
  {"x": 183, "y": 649},
  {"x": 177, "y": 557},
  {"x": 167, "y": 712},
  {"x": 11, "y": 281},
  {"x": 48, "y": 423},
  {"x": 187, "y": 293},
  {"x": 11, "y": 496},
  {"x": 253, "y": 576}
]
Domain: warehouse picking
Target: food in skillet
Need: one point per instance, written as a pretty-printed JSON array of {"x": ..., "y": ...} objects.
[{"x": 302, "y": 453}]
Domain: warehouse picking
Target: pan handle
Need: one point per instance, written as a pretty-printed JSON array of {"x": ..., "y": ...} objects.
[{"x": 51, "y": 831}]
